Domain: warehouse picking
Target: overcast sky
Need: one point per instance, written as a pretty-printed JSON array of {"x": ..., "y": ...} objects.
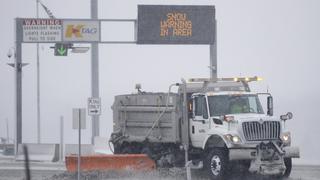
[{"x": 277, "y": 40}]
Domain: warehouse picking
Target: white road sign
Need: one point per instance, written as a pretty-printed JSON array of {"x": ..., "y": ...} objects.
[
  {"x": 94, "y": 106},
  {"x": 81, "y": 31},
  {"x": 42, "y": 30},
  {"x": 78, "y": 115}
]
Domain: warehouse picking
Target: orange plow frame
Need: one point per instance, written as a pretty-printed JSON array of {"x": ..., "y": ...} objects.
[{"x": 110, "y": 162}]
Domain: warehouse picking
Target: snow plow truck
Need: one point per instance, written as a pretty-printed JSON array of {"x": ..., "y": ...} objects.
[{"x": 213, "y": 124}]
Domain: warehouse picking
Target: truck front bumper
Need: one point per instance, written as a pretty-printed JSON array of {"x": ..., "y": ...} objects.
[
  {"x": 263, "y": 161},
  {"x": 251, "y": 153}
]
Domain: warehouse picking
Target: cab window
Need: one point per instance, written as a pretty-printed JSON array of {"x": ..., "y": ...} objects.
[{"x": 201, "y": 107}]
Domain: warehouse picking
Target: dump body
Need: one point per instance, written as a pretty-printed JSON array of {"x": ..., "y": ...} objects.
[{"x": 135, "y": 115}]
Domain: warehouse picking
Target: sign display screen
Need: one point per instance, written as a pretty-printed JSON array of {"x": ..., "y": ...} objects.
[{"x": 175, "y": 24}]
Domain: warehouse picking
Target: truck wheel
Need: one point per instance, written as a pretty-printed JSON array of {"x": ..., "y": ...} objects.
[
  {"x": 288, "y": 164},
  {"x": 286, "y": 174},
  {"x": 216, "y": 164}
]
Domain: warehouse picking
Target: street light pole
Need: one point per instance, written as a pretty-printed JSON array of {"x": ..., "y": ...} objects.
[
  {"x": 38, "y": 86},
  {"x": 17, "y": 65}
]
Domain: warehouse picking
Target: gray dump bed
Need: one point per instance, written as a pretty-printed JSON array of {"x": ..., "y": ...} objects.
[{"x": 135, "y": 114}]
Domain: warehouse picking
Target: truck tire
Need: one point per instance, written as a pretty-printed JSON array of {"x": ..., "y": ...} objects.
[
  {"x": 288, "y": 164},
  {"x": 286, "y": 174},
  {"x": 216, "y": 164}
]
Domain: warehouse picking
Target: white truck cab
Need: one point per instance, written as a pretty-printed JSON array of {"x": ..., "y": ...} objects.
[{"x": 234, "y": 126}]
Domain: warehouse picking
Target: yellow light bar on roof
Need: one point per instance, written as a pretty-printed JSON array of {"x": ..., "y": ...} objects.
[
  {"x": 235, "y": 79},
  {"x": 247, "y": 79},
  {"x": 259, "y": 78},
  {"x": 241, "y": 79},
  {"x": 199, "y": 79}
]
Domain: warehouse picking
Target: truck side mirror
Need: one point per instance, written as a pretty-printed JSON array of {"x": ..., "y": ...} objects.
[
  {"x": 270, "y": 105},
  {"x": 190, "y": 108},
  {"x": 290, "y": 115},
  {"x": 287, "y": 116}
]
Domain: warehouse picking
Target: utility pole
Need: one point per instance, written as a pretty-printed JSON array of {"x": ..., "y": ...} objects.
[
  {"x": 94, "y": 72},
  {"x": 38, "y": 86}
]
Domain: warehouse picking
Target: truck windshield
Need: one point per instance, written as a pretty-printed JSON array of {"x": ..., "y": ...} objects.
[{"x": 220, "y": 105}]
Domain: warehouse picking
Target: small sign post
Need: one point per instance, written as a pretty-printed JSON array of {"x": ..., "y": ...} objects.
[
  {"x": 94, "y": 106},
  {"x": 79, "y": 122}
]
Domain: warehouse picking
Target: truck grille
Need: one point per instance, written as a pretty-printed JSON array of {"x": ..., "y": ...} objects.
[{"x": 256, "y": 131}]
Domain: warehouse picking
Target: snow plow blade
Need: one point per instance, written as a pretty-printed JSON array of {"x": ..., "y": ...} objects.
[{"x": 110, "y": 162}]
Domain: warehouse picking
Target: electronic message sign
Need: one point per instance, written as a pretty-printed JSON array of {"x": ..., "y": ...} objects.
[{"x": 175, "y": 24}]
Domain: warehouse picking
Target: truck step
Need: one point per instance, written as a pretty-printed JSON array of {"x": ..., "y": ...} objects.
[{"x": 194, "y": 164}]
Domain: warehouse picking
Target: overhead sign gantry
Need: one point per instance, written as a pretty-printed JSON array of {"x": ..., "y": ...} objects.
[{"x": 156, "y": 24}]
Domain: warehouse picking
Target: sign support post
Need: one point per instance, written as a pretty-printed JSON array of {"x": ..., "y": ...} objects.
[
  {"x": 79, "y": 145},
  {"x": 79, "y": 122},
  {"x": 95, "y": 72},
  {"x": 18, "y": 84},
  {"x": 38, "y": 86},
  {"x": 213, "y": 56}
]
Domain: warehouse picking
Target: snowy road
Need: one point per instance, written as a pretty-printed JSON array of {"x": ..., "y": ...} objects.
[{"x": 55, "y": 172}]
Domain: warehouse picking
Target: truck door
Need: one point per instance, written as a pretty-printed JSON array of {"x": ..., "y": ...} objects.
[{"x": 199, "y": 123}]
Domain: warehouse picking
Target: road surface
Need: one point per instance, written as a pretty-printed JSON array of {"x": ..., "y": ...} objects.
[{"x": 11, "y": 170}]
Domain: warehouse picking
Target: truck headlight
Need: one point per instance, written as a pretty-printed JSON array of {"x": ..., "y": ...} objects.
[
  {"x": 286, "y": 138},
  {"x": 233, "y": 138}
]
